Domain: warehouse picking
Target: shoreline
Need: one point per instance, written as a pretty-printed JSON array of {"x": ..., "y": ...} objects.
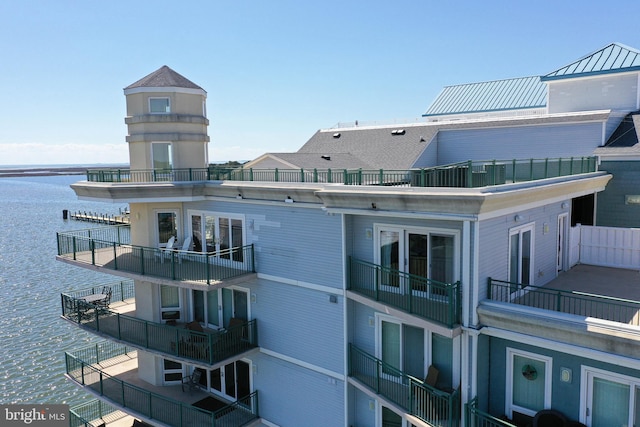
[{"x": 43, "y": 171}]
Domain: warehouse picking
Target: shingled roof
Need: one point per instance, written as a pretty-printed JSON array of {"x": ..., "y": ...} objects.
[
  {"x": 164, "y": 77},
  {"x": 389, "y": 147}
]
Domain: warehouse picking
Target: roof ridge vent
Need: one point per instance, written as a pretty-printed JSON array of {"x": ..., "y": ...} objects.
[
  {"x": 398, "y": 132},
  {"x": 326, "y": 157},
  {"x": 336, "y": 135}
]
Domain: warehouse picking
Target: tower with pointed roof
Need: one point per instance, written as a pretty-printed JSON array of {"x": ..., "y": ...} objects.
[{"x": 167, "y": 122}]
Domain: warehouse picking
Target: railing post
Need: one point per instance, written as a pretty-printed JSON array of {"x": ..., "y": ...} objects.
[
  {"x": 329, "y": 176},
  {"x": 530, "y": 169},
  {"x": 469, "y": 174},
  {"x": 315, "y": 175},
  {"x": 488, "y": 288},
  {"x": 276, "y": 175},
  {"x": 513, "y": 170},
  {"x": 378, "y": 271},
  {"x": 571, "y": 165},
  {"x": 560, "y": 166},
  {"x": 546, "y": 167},
  {"x": 559, "y": 301},
  {"x": 115, "y": 256},
  {"x": 381, "y": 178},
  {"x": 74, "y": 245},
  {"x": 207, "y": 269},
  {"x": 301, "y": 175},
  {"x": 92, "y": 246},
  {"x": 119, "y": 330}
]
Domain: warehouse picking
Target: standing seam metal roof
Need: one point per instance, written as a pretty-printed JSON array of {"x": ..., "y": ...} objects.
[
  {"x": 613, "y": 58},
  {"x": 498, "y": 95}
]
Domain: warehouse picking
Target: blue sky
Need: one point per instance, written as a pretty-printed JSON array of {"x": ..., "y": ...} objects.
[{"x": 275, "y": 71}]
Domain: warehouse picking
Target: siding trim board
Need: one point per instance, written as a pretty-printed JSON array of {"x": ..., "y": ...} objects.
[
  {"x": 301, "y": 284},
  {"x": 547, "y": 344},
  {"x": 303, "y": 364}
]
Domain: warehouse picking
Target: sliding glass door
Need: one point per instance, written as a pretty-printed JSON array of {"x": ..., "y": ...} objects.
[
  {"x": 221, "y": 235},
  {"x": 423, "y": 254}
]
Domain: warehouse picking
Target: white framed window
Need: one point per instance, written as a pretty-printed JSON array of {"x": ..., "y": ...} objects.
[
  {"x": 167, "y": 223},
  {"x": 608, "y": 399},
  {"x": 521, "y": 244},
  {"x": 159, "y": 105},
  {"x": 172, "y": 372},
  {"x": 218, "y": 232},
  {"x": 161, "y": 155},
  {"x": 421, "y": 252},
  {"x": 528, "y": 382},
  {"x": 170, "y": 304}
]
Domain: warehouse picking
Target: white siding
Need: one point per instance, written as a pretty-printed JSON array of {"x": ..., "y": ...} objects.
[
  {"x": 615, "y": 92},
  {"x": 525, "y": 142}
]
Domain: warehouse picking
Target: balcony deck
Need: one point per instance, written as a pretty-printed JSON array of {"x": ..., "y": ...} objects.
[
  {"x": 115, "y": 378},
  {"x": 137, "y": 262},
  {"x": 604, "y": 293},
  {"x": 605, "y": 281}
]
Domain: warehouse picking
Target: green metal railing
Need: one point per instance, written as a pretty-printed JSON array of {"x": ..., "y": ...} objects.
[
  {"x": 571, "y": 302},
  {"x": 437, "y": 407},
  {"x": 152, "y": 405},
  {"x": 208, "y": 268},
  {"x": 204, "y": 347},
  {"x": 417, "y": 295},
  {"x": 464, "y": 174},
  {"x": 121, "y": 291},
  {"x": 94, "y": 413},
  {"x": 478, "y": 418}
]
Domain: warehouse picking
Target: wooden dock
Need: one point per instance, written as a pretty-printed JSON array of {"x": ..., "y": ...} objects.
[{"x": 122, "y": 219}]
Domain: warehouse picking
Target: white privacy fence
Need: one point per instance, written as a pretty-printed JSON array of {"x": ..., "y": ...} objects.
[{"x": 605, "y": 246}]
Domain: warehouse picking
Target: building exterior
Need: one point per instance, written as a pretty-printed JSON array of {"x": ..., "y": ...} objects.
[{"x": 388, "y": 291}]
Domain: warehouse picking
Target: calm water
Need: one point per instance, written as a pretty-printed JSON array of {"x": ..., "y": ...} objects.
[{"x": 33, "y": 337}]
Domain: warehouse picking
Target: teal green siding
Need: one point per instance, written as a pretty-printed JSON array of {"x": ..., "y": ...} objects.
[{"x": 611, "y": 209}]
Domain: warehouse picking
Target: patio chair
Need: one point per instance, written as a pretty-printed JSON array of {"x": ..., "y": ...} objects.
[
  {"x": 167, "y": 250},
  {"x": 185, "y": 249},
  {"x": 107, "y": 292},
  {"x": 193, "y": 380},
  {"x": 549, "y": 418}
]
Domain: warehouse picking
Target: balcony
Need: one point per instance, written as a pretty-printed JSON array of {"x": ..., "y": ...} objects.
[
  {"x": 103, "y": 368},
  {"x": 476, "y": 417},
  {"x": 108, "y": 249},
  {"x": 208, "y": 347},
  {"x": 96, "y": 413},
  {"x": 426, "y": 298},
  {"x": 462, "y": 175},
  {"x": 439, "y": 408},
  {"x": 585, "y": 291}
]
